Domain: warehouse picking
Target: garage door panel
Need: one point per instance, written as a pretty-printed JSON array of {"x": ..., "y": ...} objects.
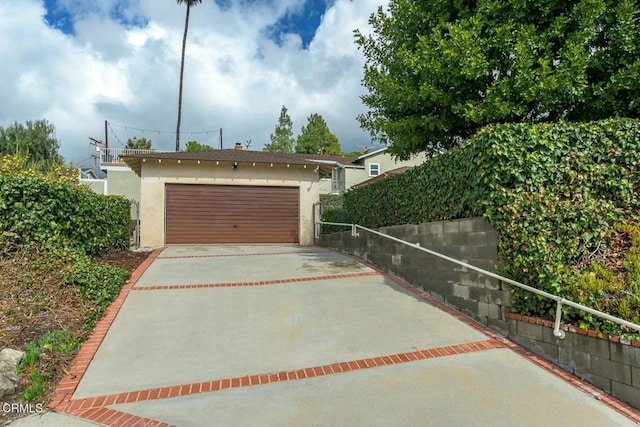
[{"x": 231, "y": 214}]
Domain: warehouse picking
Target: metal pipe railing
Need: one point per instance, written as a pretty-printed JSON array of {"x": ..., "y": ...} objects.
[
  {"x": 114, "y": 155},
  {"x": 560, "y": 301}
]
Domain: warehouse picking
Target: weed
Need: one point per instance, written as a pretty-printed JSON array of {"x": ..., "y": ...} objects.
[
  {"x": 36, "y": 388},
  {"x": 60, "y": 341},
  {"x": 30, "y": 357}
]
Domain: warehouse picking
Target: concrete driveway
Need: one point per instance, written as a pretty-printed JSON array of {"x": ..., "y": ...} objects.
[{"x": 301, "y": 336}]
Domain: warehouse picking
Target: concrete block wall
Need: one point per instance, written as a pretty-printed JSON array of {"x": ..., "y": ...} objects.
[
  {"x": 471, "y": 240},
  {"x": 608, "y": 362},
  {"x": 611, "y": 364}
]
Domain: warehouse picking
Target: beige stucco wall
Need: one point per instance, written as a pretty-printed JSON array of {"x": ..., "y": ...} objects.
[
  {"x": 122, "y": 181},
  {"x": 325, "y": 185},
  {"x": 95, "y": 185},
  {"x": 354, "y": 176},
  {"x": 156, "y": 175}
]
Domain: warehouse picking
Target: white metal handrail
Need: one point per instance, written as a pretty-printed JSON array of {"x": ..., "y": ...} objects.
[{"x": 559, "y": 300}]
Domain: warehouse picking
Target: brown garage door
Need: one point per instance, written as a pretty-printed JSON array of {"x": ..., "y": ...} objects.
[{"x": 230, "y": 214}]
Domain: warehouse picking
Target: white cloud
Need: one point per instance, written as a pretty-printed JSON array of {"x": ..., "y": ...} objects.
[{"x": 235, "y": 77}]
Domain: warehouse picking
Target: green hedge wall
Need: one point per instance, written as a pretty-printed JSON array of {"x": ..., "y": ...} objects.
[
  {"x": 34, "y": 209},
  {"x": 332, "y": 211},
  {"x": 552, "y": 191}
]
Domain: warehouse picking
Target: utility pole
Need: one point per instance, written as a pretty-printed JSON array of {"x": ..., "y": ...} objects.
[
  {"x": 106, "y": 135},
  {"x": 95, "y": 144}
]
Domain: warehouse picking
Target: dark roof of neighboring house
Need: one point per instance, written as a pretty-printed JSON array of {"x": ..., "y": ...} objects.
[
  {"x": 89, "y": 173},
  {"x": 229, "y": 155},
  {"x": 232, "y": 155},
  {"x": 383, "y": 175}
]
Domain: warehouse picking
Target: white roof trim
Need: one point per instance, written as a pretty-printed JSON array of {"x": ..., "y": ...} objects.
[
  {"x": 328, "y": 162},
  {"x": 373, "y": 153},
  {"x": 335, "y": 163}
]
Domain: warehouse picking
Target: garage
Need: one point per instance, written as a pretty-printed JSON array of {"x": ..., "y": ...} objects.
[{"x": 201, "y": 214}]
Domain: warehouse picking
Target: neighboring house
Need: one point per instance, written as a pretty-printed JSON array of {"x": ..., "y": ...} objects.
[
  {"x": 121, "y": 180},
  {"x": 95, "y": 180},
  {"x": 333, "y": 180},
  {"x": 226, "y": 196},
  {"x": 383, "y": 175},
  {"x": 376, "y": 163},
  {"x": 233, "y": 195},
  {"x": 339, "y": 173},
  {"x": 349, "y": 172},
  {"x": 89, "y": 173}
]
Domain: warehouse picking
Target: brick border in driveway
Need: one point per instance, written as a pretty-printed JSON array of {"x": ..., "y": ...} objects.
[
  {"x": 95, "y": 408},
  {"x": 66, "y": 387}
]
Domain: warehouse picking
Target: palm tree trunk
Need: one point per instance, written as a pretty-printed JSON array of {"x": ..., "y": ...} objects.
[{"x": 184, "y": 46}]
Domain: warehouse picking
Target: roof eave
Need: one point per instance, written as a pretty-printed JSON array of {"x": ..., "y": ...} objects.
[{"x": 373, "y": 153}]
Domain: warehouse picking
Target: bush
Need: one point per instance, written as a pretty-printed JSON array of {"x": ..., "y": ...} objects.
[
  {"x": 332, "y": 211},
  {"x": 97, "y": 282},
  {"x": 552, "y": 191},
  {"x": 34, "y": 209}
]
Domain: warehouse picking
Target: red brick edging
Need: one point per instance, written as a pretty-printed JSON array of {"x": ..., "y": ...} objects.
[
  {"x": 95, "y": 408},
  {"x": 237, "y": 255},
  {"x": 261, "y": 283},
  {"x": 81, "y": 407},
  {"x": 67, "y": 386},
  {"x": 571, "y": 328},
  {"x": 623, "y": 408}
]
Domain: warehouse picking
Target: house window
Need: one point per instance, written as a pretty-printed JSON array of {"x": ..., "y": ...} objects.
[
  {"x": 337, "y": 184},
  {"x": 374, "y": 169}
]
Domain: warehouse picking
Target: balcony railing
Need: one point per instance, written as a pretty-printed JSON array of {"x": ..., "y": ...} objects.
[{"x": 113, "y": 156}]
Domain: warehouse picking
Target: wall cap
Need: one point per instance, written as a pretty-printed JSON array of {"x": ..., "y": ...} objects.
[{"x": 572, "y": 328}]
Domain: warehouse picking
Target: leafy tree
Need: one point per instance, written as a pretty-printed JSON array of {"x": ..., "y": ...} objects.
[
  {"x": 196, "y": 146},
  {"x": 437, "y": 71},
  {"x": 139, "y": 143},
  {"x": 316, "y": 138},
  {"x": 189, "y": 4},
  {"x": 354, "y": 153},
  {"x": 282, "y": 139},
  {"x": 34, "y": 141}
]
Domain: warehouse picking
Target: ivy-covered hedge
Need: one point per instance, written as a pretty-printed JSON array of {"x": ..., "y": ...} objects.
[
  {"x": 34, "y": 209},
  {"x": 552, "y": 191},
  {"x": 332, "y": 211}
]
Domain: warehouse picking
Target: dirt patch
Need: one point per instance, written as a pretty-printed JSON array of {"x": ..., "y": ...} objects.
[{"x": 32, "y": 302}]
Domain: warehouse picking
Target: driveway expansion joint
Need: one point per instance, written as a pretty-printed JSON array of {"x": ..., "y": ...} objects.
[
  {"x": 257, "y": 283},
  {"x": 100, "y": 409},
  {"x": 241, "y": 255},
  {"x": 89, "y": 408}
]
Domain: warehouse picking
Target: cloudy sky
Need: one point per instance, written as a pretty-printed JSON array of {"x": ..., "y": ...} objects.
[{"x": 78, "y": 63}]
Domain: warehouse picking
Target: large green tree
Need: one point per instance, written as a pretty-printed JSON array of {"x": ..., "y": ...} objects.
[
  {"x": 282, "y": 139},
  {"x": 438, "y": 70},
  {"x": 35, "y": 141},
  {"x": 189, "y": 3},
  {"x": 196, "y": 146},
  {"x": 139, "y": 143},
  {"x": 316, "y": 138}
]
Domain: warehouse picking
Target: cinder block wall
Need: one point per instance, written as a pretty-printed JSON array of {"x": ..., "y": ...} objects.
[
  {"x": 611, "y": 364},
  {"x": 472, "y": 240},
  {"x": 608, "y": 362}
]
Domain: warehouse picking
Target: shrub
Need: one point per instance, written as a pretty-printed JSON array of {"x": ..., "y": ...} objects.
[
  {"x": 39, "y": 208},
  {"x": 97, "y": 282},
  {"x": 332, "y": 211},
  {"x": 552, "y": 191}
]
